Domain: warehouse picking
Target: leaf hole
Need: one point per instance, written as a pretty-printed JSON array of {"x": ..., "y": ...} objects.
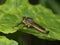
[
  {"x": 34, "y": 2},
  {"x": 2, "y": 2}
]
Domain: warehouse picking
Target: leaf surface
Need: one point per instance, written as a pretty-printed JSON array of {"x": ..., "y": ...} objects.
[
  {"x": 11, "y": 14},
  {"x": 5, "y": 41}
]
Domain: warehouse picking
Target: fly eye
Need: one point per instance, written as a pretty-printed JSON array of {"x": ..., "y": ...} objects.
[{"x": 30, "y": 19}]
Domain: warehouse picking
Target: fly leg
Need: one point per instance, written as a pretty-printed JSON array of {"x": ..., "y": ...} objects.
[
  {"x": 18, "y": 24},
  {"x": 27, "y": 26}
]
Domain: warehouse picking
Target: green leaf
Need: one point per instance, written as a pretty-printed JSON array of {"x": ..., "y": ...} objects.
[
  {"x": 43, "y": 17},
  {"x": 8, "y": 18},
  {"x": 5, "y": 41},
  {"x": 11, "y": 14}
]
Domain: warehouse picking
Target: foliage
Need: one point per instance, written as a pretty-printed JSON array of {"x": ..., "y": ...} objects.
[
  {"x": 5, "y": 41},
  {"x": 12, "y": 11}
]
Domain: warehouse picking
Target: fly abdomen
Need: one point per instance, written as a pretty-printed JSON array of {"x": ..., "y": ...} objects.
[{"x": 39, "y": 28}]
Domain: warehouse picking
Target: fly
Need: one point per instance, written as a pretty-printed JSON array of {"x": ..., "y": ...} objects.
[{"x": 30, "y": 23}]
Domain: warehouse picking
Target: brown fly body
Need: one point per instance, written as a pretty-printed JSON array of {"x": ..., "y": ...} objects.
[{"x": 30, "y": 23}]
